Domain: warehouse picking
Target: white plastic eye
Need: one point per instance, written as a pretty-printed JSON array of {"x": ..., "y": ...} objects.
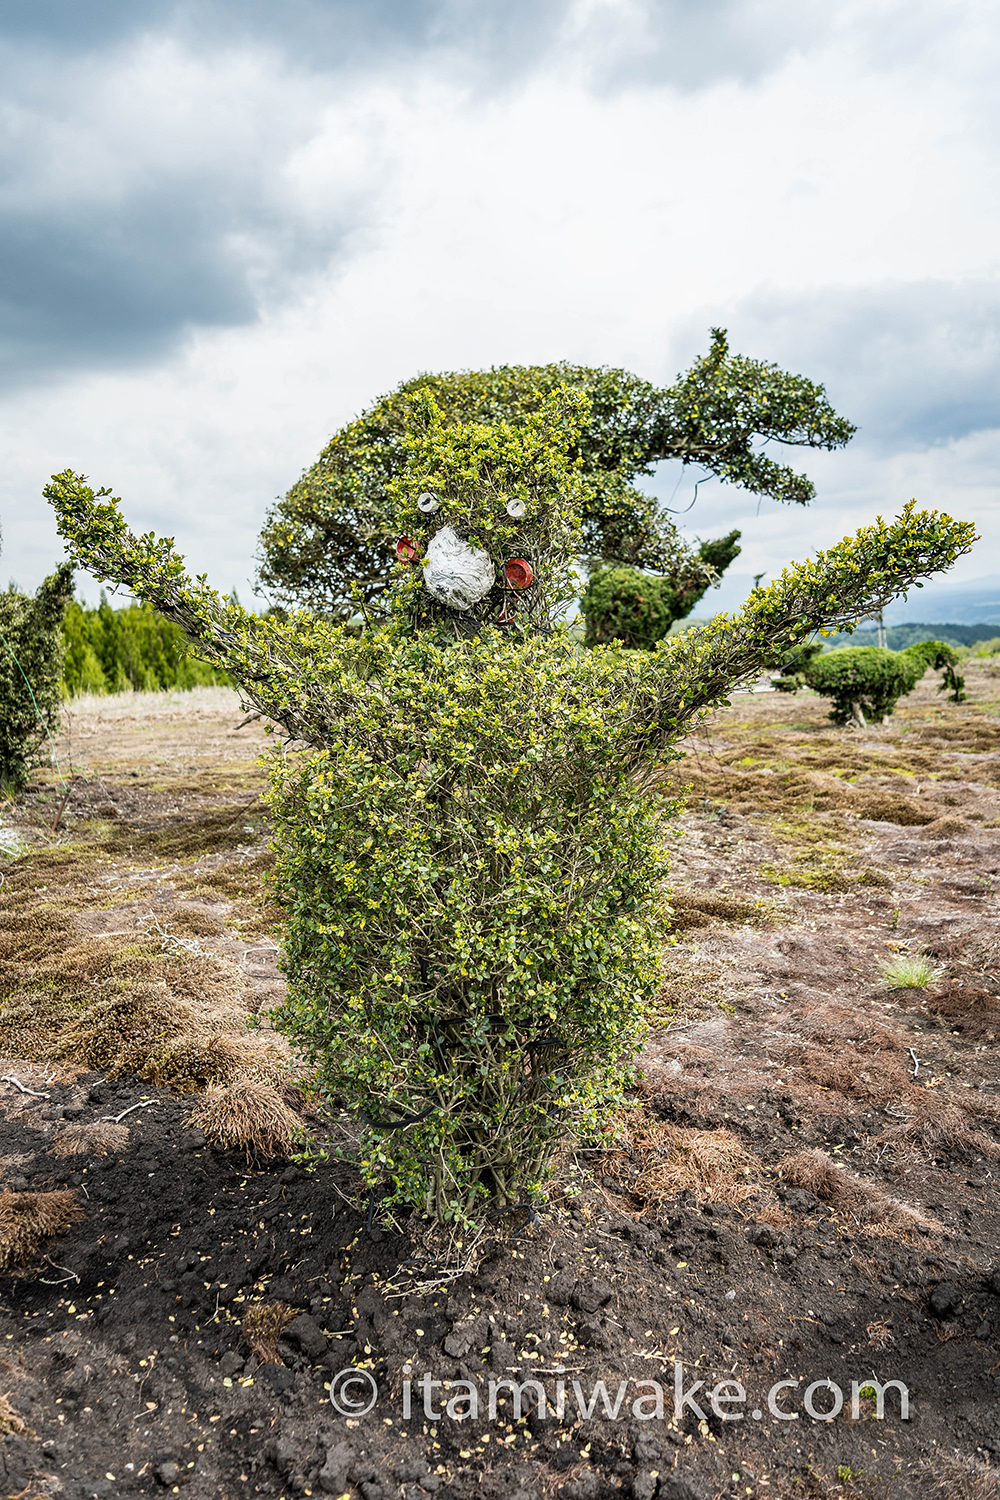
[
  {"x": 428, "y": 503},
  {"x": 516, "y": 508}
]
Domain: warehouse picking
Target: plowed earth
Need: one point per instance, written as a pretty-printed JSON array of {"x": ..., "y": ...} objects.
[{"x": 182, "y": 1333}]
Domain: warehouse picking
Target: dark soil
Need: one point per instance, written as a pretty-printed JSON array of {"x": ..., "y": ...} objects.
[{"x": 122, "y": 1350}]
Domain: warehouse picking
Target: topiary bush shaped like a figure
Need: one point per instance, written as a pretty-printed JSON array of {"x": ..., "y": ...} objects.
[
  {"x": 31, "y": 656},
  {"x": 470, "y": 849},
  {"x": 866, "y": 682},
  {"x": 330, "y": 539}
]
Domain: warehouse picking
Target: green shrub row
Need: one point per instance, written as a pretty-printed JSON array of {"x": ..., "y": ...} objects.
[{"x": 109, "y": 650}]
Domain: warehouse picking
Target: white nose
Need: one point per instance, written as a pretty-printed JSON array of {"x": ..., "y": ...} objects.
[{"x": 455, "y": 573}]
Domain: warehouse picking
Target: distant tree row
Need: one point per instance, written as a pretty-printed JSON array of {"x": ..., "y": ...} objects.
[{"x": 108, "y": 650}]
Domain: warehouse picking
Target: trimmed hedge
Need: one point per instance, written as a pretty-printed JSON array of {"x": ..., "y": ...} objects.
[
  {"x": 112, "y": 650},
  {"x": 866, "y": 682}
]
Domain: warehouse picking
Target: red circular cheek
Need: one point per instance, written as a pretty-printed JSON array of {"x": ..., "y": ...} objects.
[
  {"x": 518, "y": 573},
  {"x": 406, "y": 550}
]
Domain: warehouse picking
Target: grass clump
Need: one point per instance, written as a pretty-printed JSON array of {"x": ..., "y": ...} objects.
[
  {"x": 657, "y": 1161},
  {"x": 102, "y": 1138},
  {"x": 28, "y": 1219},
  {"x": 864, "y": 1203},
  {"x": 908, "y": 971},
  {"x": 692, "y": 909},
  {"x": 251, "y": 1116},
  {"x": 262, "y": 1326}
]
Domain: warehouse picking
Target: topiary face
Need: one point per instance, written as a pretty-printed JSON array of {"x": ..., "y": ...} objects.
[{"x": 489, "y": 521}]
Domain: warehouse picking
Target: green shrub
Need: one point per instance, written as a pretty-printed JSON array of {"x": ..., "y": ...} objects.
[
  {"x": 112, "y": 650},
  {"x": 638, "y": 609},
  {"x": 866, "y": 682},
  {"x": 472, "y": 855},
  {"x": 30, "y": 672},
  {"x": 332, "y": 536}
]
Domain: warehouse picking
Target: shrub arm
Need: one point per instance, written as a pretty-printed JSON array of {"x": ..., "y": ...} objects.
[
  {"x": 859, "y": 576},
  {"x": 277, "y": 664}
]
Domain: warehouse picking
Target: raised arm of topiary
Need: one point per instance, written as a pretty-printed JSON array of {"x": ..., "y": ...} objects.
[{"x": 471, "y": 868}]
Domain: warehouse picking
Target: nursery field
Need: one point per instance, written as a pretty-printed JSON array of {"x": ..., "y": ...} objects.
[{"x": 801, "y": 1193}]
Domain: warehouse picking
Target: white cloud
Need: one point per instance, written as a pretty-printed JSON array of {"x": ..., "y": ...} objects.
[{"x": 835, "y": 203}]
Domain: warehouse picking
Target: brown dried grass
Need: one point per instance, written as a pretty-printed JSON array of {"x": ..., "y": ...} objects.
[
  {"x": 248, "y": 1115},
  {"x": 868, "y": 1206},
  {"x": 693, "y": 909},
  {"x": 952, "y": 1478},
  {"x": 948, "y": 827},
  {"x": 10, "y": 1423},
  {"x": 658, "y": 1161},
  {"x": 28, "y": 1219},
  {"x": 972, "y": 1010},
  {"x": 876, "y": 1078},
  {"x": 262, "y": 1326},
  {"x": 117, "y": 1034},
  {"x": 101, "y": 1138},
  {"x": 937, "y": 1126}
]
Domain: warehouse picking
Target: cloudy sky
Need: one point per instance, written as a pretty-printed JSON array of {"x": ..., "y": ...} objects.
[{"x": 225, "y": 229}]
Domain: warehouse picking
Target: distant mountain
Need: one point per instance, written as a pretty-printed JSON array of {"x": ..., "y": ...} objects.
[
  {"x": 901, "y": 636},
  {"x": 976, "y": 602}
]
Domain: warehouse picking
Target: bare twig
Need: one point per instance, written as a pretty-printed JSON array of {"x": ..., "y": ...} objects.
[
  {"x": 117, "y": 1119},
  {"x": 916, "y": 1062},
  {"x": 9, "y": 1078},
  {"x": 70, "y": 1275},
  {"x": 62, "y": 805},
  {"x": 166, "y": 936}
]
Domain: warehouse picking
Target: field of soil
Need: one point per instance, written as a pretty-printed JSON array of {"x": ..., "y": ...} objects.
[{"x": 799, "y": 1201}]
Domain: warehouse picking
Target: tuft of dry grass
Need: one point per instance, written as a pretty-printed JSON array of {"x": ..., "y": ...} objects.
[
  {"x": 118, "y": 1033},
  {"x": 262, "y": 1326},
  {"x": 972, "y": 1010},
  {"x": 658, "y": 1161},
  {"x": 939, "y": 1127},
  {"x": 891, "y": 807},
  {"x": 871, "y": 1209},
  {"x": 101, "y": 1138},
  {"x": 28, "y": 1219},
  {"x": 249, "y": 1115},
  {"x": 880, "y": 1334},
  {"x": 948, "y": 827},
  {"x": 693, "y": 909},
  {"x": 10, "y": 1422},
  {"x": 952, "y": 1478}
]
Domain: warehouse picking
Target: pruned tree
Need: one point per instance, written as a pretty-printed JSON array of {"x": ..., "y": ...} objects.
[
  {"x": 466, "y": 849},
  {"x": 330, "y": 541}
]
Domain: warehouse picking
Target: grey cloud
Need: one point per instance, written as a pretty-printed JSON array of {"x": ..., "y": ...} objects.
[
  {"x": 324, "y": 35},
  {"x": 913, "y": 364},
  {"x": 693, "y": 43},
  {"x": 149, "y": 239}
]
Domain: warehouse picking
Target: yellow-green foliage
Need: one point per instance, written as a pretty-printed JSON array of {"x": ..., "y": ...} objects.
[
  {"x": 471, "y": 887},
  {"x": 111, "y": 650},
  {"x": 332, "y": 535},
  {"x": 470, "y": 859}
]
